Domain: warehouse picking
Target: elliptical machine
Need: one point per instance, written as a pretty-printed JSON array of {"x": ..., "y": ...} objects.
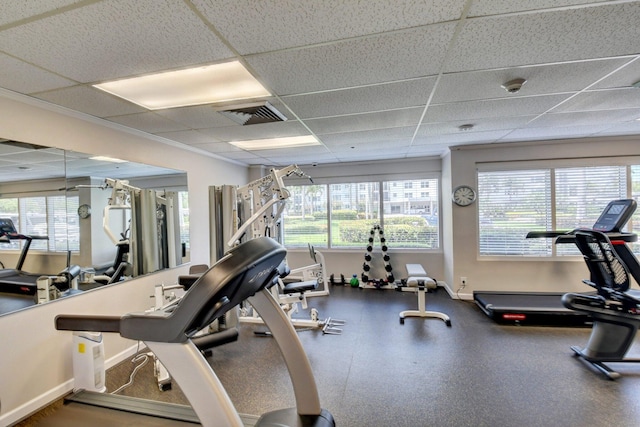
[{"x": 615, "y": 309}]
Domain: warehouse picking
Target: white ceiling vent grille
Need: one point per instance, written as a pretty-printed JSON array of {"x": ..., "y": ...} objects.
[{"x": 252, "y": 114}]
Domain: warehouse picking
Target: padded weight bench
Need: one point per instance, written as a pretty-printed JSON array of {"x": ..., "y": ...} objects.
[{"x": 419, "y": 282}]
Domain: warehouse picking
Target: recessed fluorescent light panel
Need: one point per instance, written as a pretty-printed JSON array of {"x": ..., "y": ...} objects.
[
  {"x": 107, "y": 159},
  {"x": 275, "y": 143},
  {"x": 228, "y": 81}
]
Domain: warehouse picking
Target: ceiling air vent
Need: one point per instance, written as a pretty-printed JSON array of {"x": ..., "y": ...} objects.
[{"x": 252, "y": 114}]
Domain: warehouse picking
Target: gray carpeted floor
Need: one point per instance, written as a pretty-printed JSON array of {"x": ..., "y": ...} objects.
[{"x": 422, "y": 373}]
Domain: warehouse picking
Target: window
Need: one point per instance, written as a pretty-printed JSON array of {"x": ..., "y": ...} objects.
[
  {"x": 409, "y": 216},
  {"x": 353, "y": 218},
  {"x": 183, "y": 209},
  {"x": 411, "y": 220},
  {"x": 512, "y": 203},
  {"x": 305, "y": 216},
  {"x": 51, "y": 216}
]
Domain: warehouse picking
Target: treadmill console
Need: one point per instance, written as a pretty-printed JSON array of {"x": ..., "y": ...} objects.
[
  {"x": 615, "y": 216},
  {"x": 7, "y": 227}
]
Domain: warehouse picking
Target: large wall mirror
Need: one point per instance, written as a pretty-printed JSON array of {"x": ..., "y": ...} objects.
[{"x": 72, "y": 222}]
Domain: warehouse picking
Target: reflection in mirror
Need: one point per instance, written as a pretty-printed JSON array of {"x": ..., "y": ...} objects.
[{"x": 71, "y": 222}]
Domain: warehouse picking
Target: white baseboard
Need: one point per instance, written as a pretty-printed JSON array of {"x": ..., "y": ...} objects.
[{"x": 45, "y": 399}]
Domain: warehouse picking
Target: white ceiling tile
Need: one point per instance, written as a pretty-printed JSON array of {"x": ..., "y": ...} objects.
[
  {"x": 19, "y": 10},
  {"x": 259, "y": 131},
  {"x": 607, "y": 99},
  {"x": 21, "y": 77},
  {"x": 541, "y": 80},
  {"x": 391, "y": 135},
  {"x": 387, "y": 148},
  {"x": 189, "y": 137},
  {"x": 197, "y": 117},
  {"x": 219, "y": 147},
  {"x": 148, "y": 122},
  {"x": 461, "y": 138},
  {"x": 550, "y": 133},
  {"x": 427, "y": 150},
  {"x": 368, "y": 121},
  {"x": 116, "y": 38},
  {"x": 356, "y": 62},
  {"x": 497, "y": 7},
  {"x": 480, "y": 125},
  {"x": 574, "y": 34},
  {"x": 624, "y": 77},
  {"x": 91, "y": 101},
  {"x": 366, "y": 156},
  {"x": 293, "y": 151},
  {"x": 380, "y": 97},
  {"x": 257, "y": 26},
  {"x": 627, "y": 128},
  {"x": 496, "y": 108},
  {"x": 585, "y": 118},
  {"x": 302, "y": 159}
]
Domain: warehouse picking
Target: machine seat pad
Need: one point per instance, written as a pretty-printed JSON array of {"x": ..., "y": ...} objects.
[
  {"x": 299, "y": 287},
  {"x": 418, "y": 276}
]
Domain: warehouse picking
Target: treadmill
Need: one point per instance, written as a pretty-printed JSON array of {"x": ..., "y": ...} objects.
[
  {"x": 546, "y": 307},
  {"x": 14, "y": 280}
]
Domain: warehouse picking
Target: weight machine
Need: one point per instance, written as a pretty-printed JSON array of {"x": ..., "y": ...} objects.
[
  {"x": 254, "y": 210},
  {"x": 154, "y": 238}
]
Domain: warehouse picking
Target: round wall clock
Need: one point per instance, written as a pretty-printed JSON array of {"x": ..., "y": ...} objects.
[
  {"x": 84, "y": 211},
  {"x": 463, "y": 195}
]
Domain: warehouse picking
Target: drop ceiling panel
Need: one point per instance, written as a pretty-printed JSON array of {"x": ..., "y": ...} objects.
[
  {"x": 380, "y": 147},
  {"x": 116, "y": 38},
  {"x": 380, "y": 97},
  {"x": 18, "y": 10},
  {"x": 350, "y": 72},
  {"x": 219, "y": 147},
  {"x": 480, "y": 8},
  {"x": 245, "y": 22},
  {"x": 196, "y": 117},
  {"x": 260, "y": 131},
  {"x": 495, "y": 108},
  {"x": 586, "y": 118},
  {"x": 189, "y": 137},
  {"x": 557, "y": 132},
  {"x": 426, "y": 150},
  {"x": 541, "y": 80},
  {"x": 461, "y": 138},
  {"x": 294, "y": 151},
  {"x": 148, "y": 122},
  {"x": 608, "y": 99},
  {"x": 19, "y": 76},
  {"x": 356, "y": 62},
  {"x": 368, "y": 121},
  {"x": 289, "y": 160},
  {"x": 91, "y": 101},
  {"x": 497, "y": 123},
  {"x": 622, "y": 78},
  {"x": 339, "y": 140},
  {"x": 573, "y": 34},
  {"x": 368, "y": 156}
]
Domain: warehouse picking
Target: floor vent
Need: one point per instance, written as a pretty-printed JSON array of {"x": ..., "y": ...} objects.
[{"x": 252, "y": 114}]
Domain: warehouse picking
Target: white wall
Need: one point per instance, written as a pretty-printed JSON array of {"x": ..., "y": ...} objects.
[
  {"x": 527, "y": 275},
  {"x": 35, "y": 362}
]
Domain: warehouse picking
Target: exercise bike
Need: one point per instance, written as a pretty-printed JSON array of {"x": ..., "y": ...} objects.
[
  {"x": 245, "y": 272},
  {"x": 615, "y": 309}
]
